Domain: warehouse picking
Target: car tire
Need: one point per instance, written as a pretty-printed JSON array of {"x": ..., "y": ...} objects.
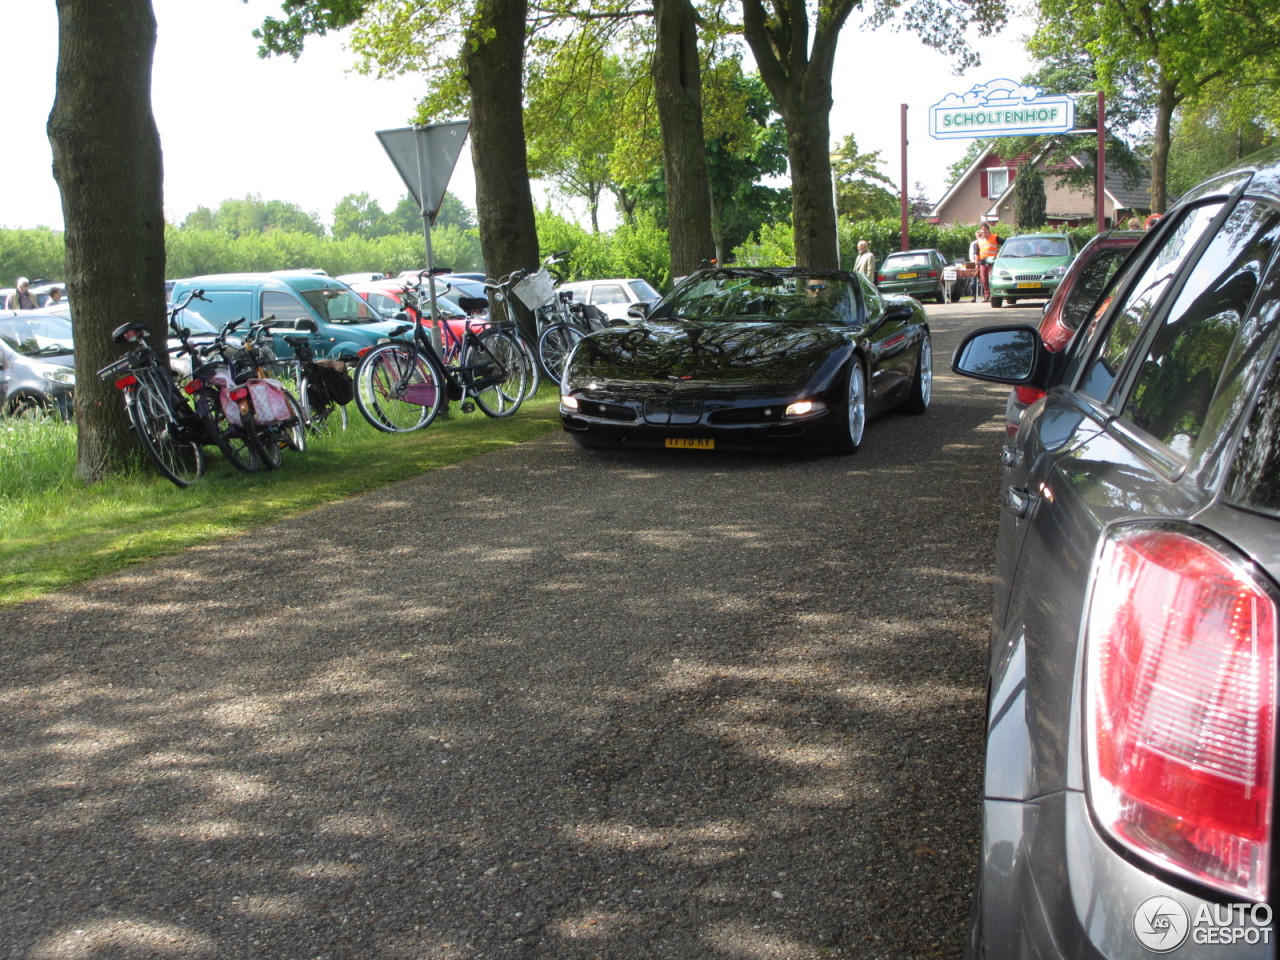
[
  {"x": 922, "y": 383},
  {"x": 997, "y": 302},
  {"x": 853, "y": 414}
]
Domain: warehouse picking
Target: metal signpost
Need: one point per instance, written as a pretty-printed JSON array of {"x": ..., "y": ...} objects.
[{"x": 424, "y": 156}]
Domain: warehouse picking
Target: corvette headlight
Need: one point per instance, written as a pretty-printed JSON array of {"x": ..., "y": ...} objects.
[
  {"x": 568, "y": 402},
  {"x": 804, "y": 408}
]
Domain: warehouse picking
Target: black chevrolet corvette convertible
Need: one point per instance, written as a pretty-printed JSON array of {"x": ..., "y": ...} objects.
[{"x": 751, "y": 359}]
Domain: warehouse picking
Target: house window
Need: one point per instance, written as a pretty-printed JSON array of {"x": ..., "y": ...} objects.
[{"x": 997, "y": 182}]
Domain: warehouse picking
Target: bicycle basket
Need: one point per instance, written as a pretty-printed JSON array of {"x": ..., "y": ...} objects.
[{"x": 535, "y": 289}]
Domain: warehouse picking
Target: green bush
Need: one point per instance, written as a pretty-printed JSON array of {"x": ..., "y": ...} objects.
[{"x": 36, "y": 254}]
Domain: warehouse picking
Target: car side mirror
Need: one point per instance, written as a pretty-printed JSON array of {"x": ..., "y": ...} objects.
[
  {"x": 306, "y": 325},
  {"x": 639, "y": 311},
  {"x": 1012, "y": 355}
]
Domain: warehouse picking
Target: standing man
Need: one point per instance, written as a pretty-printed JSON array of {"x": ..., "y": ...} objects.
[
  {"x": 21, "y": 298},
  {"x": 866, "y": 262},
  {"x": 988, "y": 245}
]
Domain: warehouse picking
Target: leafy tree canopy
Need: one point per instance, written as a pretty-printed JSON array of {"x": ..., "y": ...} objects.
[{"x": 253, "y": 215}]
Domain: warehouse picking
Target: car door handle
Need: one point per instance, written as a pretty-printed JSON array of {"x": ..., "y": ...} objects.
[{"x": 1017, "y": 500}]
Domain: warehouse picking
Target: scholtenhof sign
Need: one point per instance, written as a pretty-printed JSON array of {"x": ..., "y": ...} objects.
[{"x": 1001, "y": 108}]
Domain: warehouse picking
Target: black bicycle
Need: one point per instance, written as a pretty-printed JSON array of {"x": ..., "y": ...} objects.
[
  {"x": 402, "y": 384},
  {"x": 170, "y": 428},
  {"x": 323, "y": 387}
]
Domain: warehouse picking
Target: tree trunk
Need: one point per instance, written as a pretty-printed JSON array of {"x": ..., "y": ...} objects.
[
  {"x": 800, "y": 80},
  {"x": 493, "y": 61},
  {"x": 107, "y": 162},
  {"x": 1166, "y": 103},
  {"x": 813, "y": 214},
  {"x": 677, "y": 81}
]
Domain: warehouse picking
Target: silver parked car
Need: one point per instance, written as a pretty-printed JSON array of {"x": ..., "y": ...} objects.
[
  {"x": 1129, "y": 795},
  {"x": 37, "y": 366}
]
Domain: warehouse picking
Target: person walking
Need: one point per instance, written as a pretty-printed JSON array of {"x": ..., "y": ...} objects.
[
  {"x": 866, "y": 262},
  {"x": 988, "y": 245},
  {"x": 22, "y": 298}
]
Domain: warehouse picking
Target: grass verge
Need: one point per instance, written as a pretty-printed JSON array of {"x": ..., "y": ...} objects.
[{"x": 59, "y": 532}]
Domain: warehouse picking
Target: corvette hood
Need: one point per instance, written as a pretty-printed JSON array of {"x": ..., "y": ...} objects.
[{"x": 708, "y": 354}]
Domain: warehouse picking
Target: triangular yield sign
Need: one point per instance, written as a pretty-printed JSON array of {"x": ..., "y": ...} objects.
[{"x": 425, "y": 157}]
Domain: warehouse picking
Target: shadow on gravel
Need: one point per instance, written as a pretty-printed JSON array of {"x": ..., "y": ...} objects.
[{"x": 554, "y": 703}]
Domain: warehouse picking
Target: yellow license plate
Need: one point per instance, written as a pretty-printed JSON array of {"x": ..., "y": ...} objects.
[
  {"x": 690, "y": 443},
  {"x": 907, "y": 276},
  {"x": 1029, "y": 286}
]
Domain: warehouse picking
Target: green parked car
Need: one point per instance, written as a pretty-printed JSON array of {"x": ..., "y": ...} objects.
[
  {"x": 914, "y": 272},
  {"x": 1030, "y": 267}
]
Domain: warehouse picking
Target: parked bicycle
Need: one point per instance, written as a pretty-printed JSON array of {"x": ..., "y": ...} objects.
[
  {"x": 402, "y": 384},
  {"x": 323, "y": 387},
  {"x": 162, "y": 416},
  {"x": 259, "y": 406},
  {"x": 561, "y": 321}
]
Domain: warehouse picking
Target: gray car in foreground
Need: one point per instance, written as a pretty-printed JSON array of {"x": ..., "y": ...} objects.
[{"x": 1129, "y": 793}]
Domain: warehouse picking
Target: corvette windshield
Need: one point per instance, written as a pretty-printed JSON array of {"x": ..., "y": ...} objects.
[{"x": 759, "y": 296}]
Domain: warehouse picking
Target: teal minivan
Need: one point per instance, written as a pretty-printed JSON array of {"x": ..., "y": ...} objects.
[{"x": 336, "y": 320}]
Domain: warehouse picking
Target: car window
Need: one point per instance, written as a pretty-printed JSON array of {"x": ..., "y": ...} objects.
[
  {"x": 1019, "y": 247},
  {"x": 282, "y": 306},
  {"x": 643, "y": 290},
  {"x": 900, "y": 262},
  {"x": 37, "y": 336},
  {"x": 340, "y": 305},
  {"x": 1255, "y": 472},
  {"x": 608, "y": 293},
  {"x": 1129, "y": 318},
  {"x": 1090, "y": 284},
  {"x": 733, "y": 297},
  {"x": 1179, "y": 376}
]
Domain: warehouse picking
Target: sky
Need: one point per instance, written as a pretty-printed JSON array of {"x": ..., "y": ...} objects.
[{"x": 232, "y": 124}]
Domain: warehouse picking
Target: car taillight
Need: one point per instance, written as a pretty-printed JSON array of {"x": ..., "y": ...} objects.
[
  {"x": 931, "y": 274},
  {"x": 1181, "y": 700},
  {"x": 1028, "y": 395},
  {"x": 880, "y": 278}
]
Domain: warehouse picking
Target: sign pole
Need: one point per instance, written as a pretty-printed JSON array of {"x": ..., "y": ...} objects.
[
  {"x": 427, "y": 217},
  {"x": 905, "y": 239},
  {"x": 1100, "y": 189}
]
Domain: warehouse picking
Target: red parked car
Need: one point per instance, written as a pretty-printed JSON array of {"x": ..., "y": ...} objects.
[{"x": 1073, "y": 303}]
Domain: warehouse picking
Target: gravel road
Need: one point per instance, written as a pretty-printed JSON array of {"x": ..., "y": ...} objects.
[{"x": 551, "y": 703}]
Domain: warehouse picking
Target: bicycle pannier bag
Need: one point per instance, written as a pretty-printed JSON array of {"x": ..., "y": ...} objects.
[{"x": 332, "y": 375}]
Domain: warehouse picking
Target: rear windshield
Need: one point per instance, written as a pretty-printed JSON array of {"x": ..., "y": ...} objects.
[{"x": 902, "y": 260}]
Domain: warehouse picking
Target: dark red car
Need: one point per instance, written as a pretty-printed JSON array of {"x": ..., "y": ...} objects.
[{"x": 1072, "y": 303}]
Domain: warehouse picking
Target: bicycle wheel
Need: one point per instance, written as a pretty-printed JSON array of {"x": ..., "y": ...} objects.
[
  {"x": 292, "y": 433},
  {"x": 230, "y": 440},
  {"x": 554, "y": 346},
  {"x": 324, "y": 416},
  {"x": 398, "y": 387},
  {"x": 493, "y": 370},
  {"x": 532, "y": 369},
  {"x": 180, "y": 460},
  {"x": 264, "y": 440}
]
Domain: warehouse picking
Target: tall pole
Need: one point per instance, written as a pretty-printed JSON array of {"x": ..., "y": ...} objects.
[
  {"x": 1100, "y": 189},
  {"x": 906, "y": 243}
]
